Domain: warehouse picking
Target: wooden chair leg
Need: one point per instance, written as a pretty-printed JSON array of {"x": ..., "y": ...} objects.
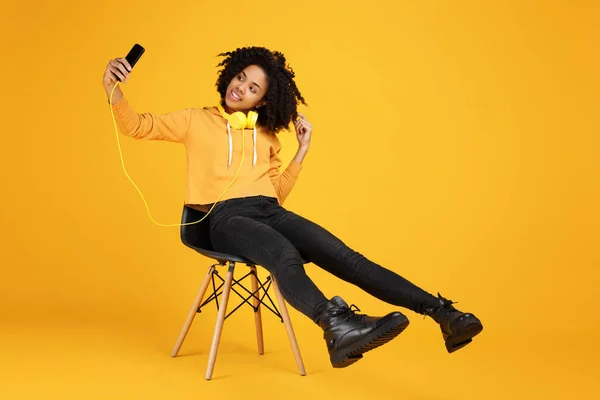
[
  {"x": 257, "y": 314},
  {"x": 193, "y": 312},
  {"x": 288, "y": 326},
  {"x": 220, "y": 319}
]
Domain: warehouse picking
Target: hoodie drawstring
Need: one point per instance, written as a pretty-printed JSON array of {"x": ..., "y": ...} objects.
[
  {"x": 231, "y": 146},
  {"x": 254, "y": 161}
]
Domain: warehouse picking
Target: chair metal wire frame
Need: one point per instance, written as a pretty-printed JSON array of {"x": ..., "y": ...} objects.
[{"x": 254, "y": 294}]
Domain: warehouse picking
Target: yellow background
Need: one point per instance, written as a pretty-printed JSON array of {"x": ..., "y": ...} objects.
[{"x": 455, "y": 142}]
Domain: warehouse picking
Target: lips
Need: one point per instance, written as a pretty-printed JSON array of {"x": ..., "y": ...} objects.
[{"x": 235, "y": 96}]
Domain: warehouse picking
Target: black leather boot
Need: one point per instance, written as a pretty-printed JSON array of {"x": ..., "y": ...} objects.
[
  {"x": 348, "y": 335},
  {"x": 458, "y": 328}
]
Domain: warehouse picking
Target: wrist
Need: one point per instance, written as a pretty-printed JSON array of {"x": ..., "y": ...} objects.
[
  {"x": 300, "y": 154},
  {"x": 116, "y": 95},
  {"x": 303, "y": 148}
]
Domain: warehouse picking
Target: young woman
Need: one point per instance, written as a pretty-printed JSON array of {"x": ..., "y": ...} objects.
[{"x": 257, "y": 87}]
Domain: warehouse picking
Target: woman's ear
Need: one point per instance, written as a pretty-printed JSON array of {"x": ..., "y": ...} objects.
[{"x": 261, "y": 104}]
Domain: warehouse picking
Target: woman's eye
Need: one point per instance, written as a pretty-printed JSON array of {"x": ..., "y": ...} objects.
[{"x": 252, "y": 90}]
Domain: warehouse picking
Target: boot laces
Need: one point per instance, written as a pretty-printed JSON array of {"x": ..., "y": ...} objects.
[
  {"x": 446, "y": 303},
  {"x": 445, "y": 306},
  {"x": 347, "y": 310},
  {"x": 355, "y": 308}
]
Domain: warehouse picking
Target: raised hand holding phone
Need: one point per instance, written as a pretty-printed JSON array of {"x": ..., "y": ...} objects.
[{"x": 118, "y": 70}]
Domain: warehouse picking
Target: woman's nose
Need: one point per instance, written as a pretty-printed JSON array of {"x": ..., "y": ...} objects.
[{"x": 242, "y": 87}]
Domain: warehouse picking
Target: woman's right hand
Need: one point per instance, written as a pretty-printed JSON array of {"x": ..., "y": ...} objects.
[{"x": 117, "y": 67}]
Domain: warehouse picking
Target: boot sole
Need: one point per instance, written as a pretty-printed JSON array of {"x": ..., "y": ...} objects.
[
  {"x": 353, "y": 353},
  {"x": 463, "y": 336}
]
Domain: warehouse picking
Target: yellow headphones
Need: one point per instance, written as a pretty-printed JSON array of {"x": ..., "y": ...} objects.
[{"x": 238, "y": 119}]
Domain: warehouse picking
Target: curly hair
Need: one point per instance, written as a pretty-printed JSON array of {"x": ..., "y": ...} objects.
[{"x": 282, "y": 97}]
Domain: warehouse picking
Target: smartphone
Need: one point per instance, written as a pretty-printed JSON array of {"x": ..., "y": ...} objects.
[{"x": 134, "y": 55}]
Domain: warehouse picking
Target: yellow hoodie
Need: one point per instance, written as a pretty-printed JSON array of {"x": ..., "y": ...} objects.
[{"x": 214, "y": 153}]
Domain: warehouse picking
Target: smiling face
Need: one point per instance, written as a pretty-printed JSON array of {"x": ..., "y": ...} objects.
[{"x": 246, "y": 90}]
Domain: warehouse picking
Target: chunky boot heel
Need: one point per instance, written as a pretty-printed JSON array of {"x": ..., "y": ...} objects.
[
  {"x": 343, "y": 360},
  {"x": 464, "y": 328}
]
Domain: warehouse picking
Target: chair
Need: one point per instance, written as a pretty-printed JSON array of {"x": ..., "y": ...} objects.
[{"x": 196, "y": 236}]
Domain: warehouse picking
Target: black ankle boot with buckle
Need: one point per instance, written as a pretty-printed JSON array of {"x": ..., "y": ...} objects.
[
  {"x": 458, "y": 328},
  {"x": 348, "y": 335}
]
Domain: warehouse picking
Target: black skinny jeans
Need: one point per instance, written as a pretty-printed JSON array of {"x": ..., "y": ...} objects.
[{"x": 259, "y": 229}]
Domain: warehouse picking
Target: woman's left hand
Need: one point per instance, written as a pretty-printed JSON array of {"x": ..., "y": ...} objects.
[{"x": 303, "y": 131}]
